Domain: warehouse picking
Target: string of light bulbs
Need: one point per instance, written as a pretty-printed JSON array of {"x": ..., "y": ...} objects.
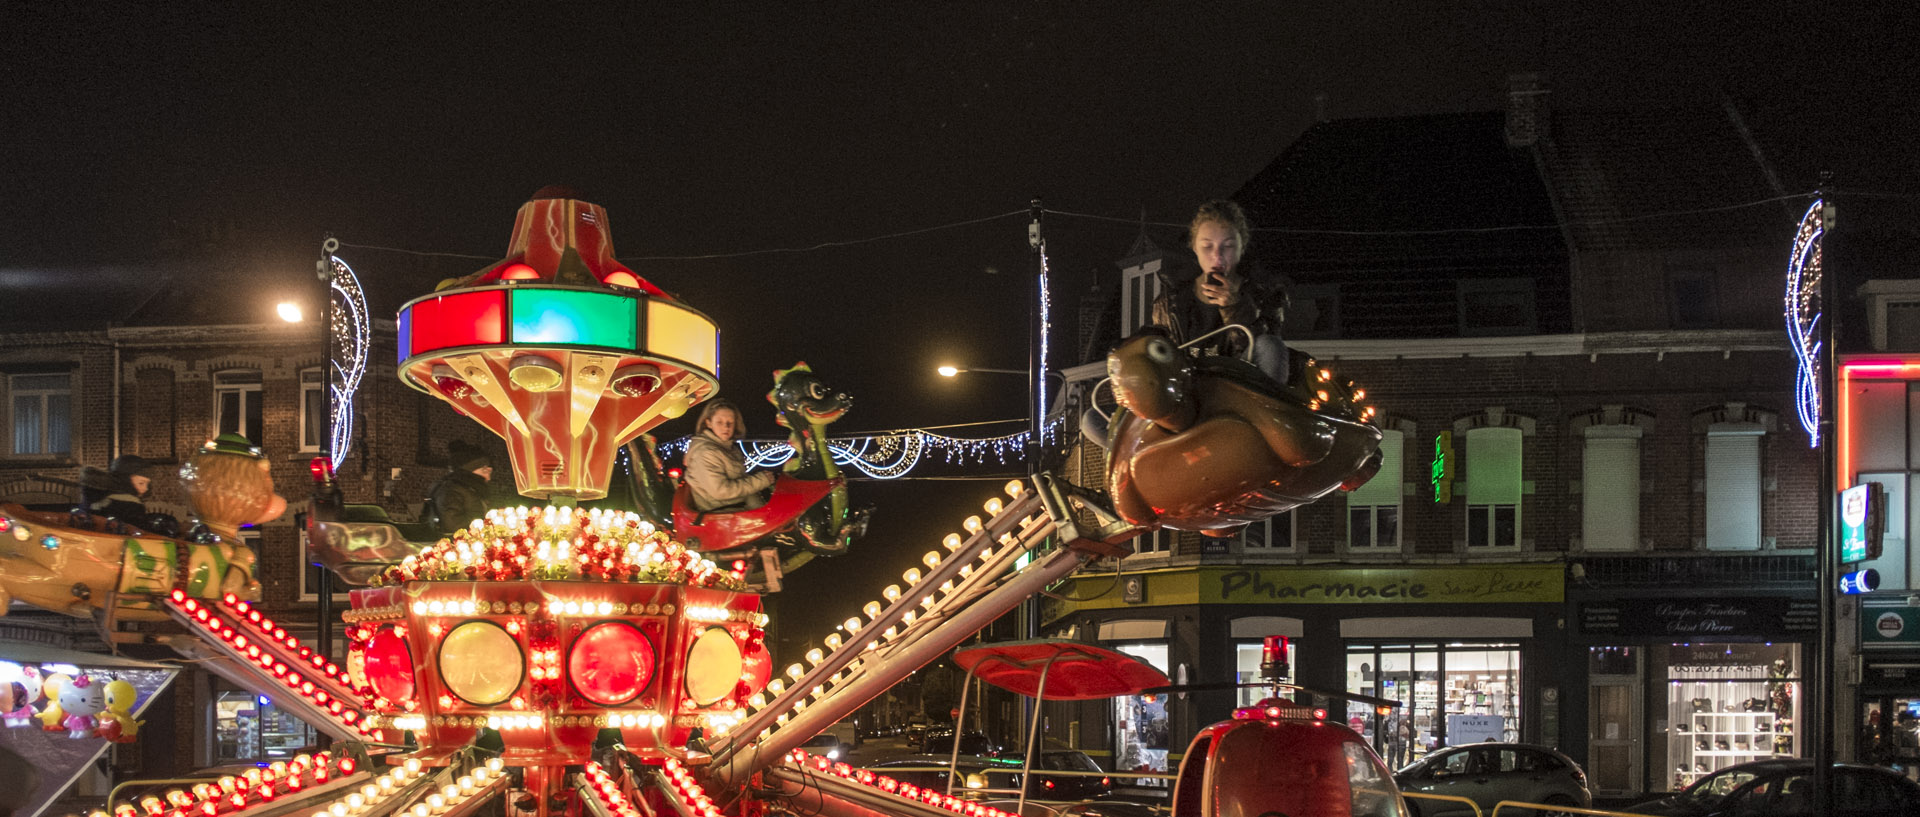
[{"x": 893, "y": 454}]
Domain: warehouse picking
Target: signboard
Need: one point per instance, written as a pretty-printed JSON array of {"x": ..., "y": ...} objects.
[
  {"x": 1464, "y": 729},
  {"x": 1889, "y": 627},
  {"x": 1853, "y": 522},
  {"x": 1753, "y": 617},
  {"x": 1438, "y": 583},
  {"x": 1443, "y": 468}
]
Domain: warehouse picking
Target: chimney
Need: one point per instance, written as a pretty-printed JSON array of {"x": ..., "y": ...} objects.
[{"x": 1526, "y": 109}]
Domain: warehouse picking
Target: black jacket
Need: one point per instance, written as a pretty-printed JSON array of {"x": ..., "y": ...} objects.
[
  {"x": 1180, "y": 311},
  {"x": 458, "y": 498},
  {"x": 107, "y": 494}
]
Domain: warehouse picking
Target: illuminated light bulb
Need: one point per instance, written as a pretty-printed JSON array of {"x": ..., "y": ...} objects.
[
  {"x": 872, "y": 609},
  {"x": 926, "y": 600},
  {"x": 952, "y": 542},
  {"x": 966, "y": 570},
  {"x": 908, "y": 619},
  {"x": 413, "y": 765},
  {"x": 794, "y": 671},
  {"x": 436, "y": 802},
  {"x": 338, "y": 810},
  {"x": 946, "y": 586},
  {"x": 972, "y": 524},
  {"x": 419, "y": 608},
  {"x": 422, "y": 809},
  {"x": 355, "y": 801},
  {"x": 370, "y": 791},
  {"x": 776, "y": 686},
  {"x": 1359, "y": 394},
  {"x": 757, "y": 701},
  {"x": 912, "y": 576},
  {"x": 892, "y": 593},
  {"x": 891, "y": 633},
  {"x": 852, "y": 624},
  {"x": 833, "y": 641},
  {"x": 436, "y": 607},
  {"x": 495, "y": 765},
  {"x": 814, "y": 655},
  {"x": 1015, "y": 487},
  {"x": 450, "y": 791},
  {"x": 606, "y": 608},
  {"x": 931, "y": 560}
]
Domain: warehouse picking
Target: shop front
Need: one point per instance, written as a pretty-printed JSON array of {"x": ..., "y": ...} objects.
[
  {"x": 1680, "y": 688},
  {"x": 1889, "y": 697},
  {"x": 1453, "y": 643}
]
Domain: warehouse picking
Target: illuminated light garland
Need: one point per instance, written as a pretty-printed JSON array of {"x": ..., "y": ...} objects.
[
  {"x": 608, "y": 791},
  {"x": 1803, "y": 316},
  {"x": 893, "y": 455},
  {"x": 236, "y": 794},
  {"x": 688, "y": 790},
  {"x": 800, "y": 760},
  {"x": 346, "y": 356},
  {"x": 283, "y": 659},
  {"x": 518, "y": 544}
]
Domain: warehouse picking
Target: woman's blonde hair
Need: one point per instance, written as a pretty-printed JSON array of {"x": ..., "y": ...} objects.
[
  {"x": 1224, "y": 213},
  {"x": 715, "y": 406}
]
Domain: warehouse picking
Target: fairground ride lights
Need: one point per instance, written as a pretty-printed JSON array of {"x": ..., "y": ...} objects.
[
  {"x": 235, "y": 793},
  {"x": 205, "y": 617},
  {"x": 607, "y": 790},
  {"x": 688, "y": 790},
  {"x": 929, "y": 796}
]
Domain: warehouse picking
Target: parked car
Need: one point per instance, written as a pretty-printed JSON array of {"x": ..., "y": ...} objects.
[
  {"x": 1784, "y": 788},
  {"x": 931, "y": 771},
  {"x": 1132, "y": 803},
  {"x": 971, "y": 743},
  {"x": 1064, "y": 786},
  {"x": 1487, "y": 773},
  {"x": 827, "y": 743}
]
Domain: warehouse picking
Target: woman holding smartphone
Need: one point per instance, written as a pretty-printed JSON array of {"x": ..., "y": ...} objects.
[{"x": 1221, "y": 294}]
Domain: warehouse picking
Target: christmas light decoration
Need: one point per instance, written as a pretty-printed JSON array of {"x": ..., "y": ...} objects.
[
  {"x": 516, "y": 544},
  {"x": 801, "y": 761},
  {"x": 893, "y": 454},
  {"x": 1803, "y": 316},
  {"x": 346, "y": 354}
]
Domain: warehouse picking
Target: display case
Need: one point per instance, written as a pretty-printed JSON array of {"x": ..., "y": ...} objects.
[
  {"x": 1717, "y": 723},
  {"x": 247, "y": 727}
]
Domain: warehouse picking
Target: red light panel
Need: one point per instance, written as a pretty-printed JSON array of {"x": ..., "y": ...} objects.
[
  {"x": 390, "y": 665},
  {"x": 461, "y": 319},
  {"x": 610, "y": 663}
]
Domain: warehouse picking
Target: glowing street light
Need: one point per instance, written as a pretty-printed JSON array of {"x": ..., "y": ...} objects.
[{"x": 289, "y": 312}]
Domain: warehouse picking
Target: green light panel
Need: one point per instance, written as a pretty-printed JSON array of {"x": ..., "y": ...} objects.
[{"x": 570, "y": 316}]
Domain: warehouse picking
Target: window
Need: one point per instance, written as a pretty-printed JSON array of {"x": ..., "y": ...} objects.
[
  {"x": 1272, "y": 534},
  {"x": 1610, "y": 488},
  {"x": 310, "y": 572},
  {"x": 1159, "y": 542},
  {"x": 1246, "y": 671},
  {"x": 41, "y": 413},
  {"x": 1139, "y": 286},
  {"x": 236, "y": 404},
  {"x": 1313, "y": 311},
  {"x": 1693, "y": 302},
  {"x": 1502, "y": 306},
  {"x": 1733, "y": 486},
  {"x": 1493, "y": 488},
  {"x": 313, "y": 409},
  {"x": 1373, "y": 509}
]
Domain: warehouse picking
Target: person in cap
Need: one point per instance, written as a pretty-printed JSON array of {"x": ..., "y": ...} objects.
[
  {"x": 716, "y": 472},
  {"x": 118, "y": 492},
  {"x": 461, "y": 496}
]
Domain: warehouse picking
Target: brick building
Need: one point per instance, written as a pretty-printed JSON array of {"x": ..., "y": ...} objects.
[
  {"x": 82, "y": 397},
  {"x": 1565, "y": 330}
]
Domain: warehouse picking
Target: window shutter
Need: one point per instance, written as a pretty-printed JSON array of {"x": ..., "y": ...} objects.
[
  {"x": 1610, "y": 488},
  {"x": 1493, "y": 466},
  {"x": 1384, "y": 488},
  {"x": 1733, "y": 486}
]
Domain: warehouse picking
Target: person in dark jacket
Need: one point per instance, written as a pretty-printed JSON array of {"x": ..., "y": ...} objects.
[
  {"x": 120, "y": 491},
  {"x": 461, "y": 496},
  {"x": 1222, "y": 294}
]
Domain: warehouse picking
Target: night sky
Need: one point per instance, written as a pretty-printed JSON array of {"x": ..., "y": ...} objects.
[{"x": 213, "y": 135}]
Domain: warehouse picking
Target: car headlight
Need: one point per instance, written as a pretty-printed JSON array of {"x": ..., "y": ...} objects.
[
  {"x": 834, "y": 753},
  {"x": 976, "y": 780}
]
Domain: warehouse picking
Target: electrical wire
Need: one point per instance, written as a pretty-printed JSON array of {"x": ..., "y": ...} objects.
[{"x": 825, "y": 244}]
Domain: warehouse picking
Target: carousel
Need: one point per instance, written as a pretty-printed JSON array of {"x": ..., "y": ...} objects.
[{"x": 550, "y": 659}]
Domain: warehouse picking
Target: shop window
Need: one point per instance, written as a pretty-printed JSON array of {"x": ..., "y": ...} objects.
[
  {"x": 1159, "y": 542},
  {"x": 1140, "y": 721},
  {"x": 236, "y": 403},
  {"x": 1493, "y": 488},
  {"x": 41, "y": 411},
  {"x": 1733, "y": 486},
  {"x": 313, "y": 410},
  {"x": 1450, "y": 694},
  {"x": 1730, "y": 704},
  {"x": 1246, "y": 670},
  {"x": 1610, "y": 488},
  {"x": 1275, "y": 533},
  {"x": 248, "y": 727},
  {"x": 1373, "y": 509}
]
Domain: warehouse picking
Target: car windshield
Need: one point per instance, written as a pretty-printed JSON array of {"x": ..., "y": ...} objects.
[{"x": 1715, "y": 787}]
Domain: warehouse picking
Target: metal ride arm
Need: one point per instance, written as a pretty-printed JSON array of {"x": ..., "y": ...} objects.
[
  {"x": 952, "y": 613},
  {"x": 948, "y": 569}
]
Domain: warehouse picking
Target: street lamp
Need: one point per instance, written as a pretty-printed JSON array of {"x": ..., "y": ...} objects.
[
  {"x": 289, "y": 312},
  {"x": 949, "y": 371}
]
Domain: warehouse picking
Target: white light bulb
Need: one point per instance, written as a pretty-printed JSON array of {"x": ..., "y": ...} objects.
[
  {"x": 952, "y": 542},
  {"x": 852, "y": 624},
  {"x": 912, "y": 576},
  {"x": 872, "y": 609},
  {"x": 814, "y": 655},
  {"x": 972, "y": 524},
  {"x": 892, "y": 593},
  {"x": 993, "y": 506},
  {"x": 931, "y": 560}
]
